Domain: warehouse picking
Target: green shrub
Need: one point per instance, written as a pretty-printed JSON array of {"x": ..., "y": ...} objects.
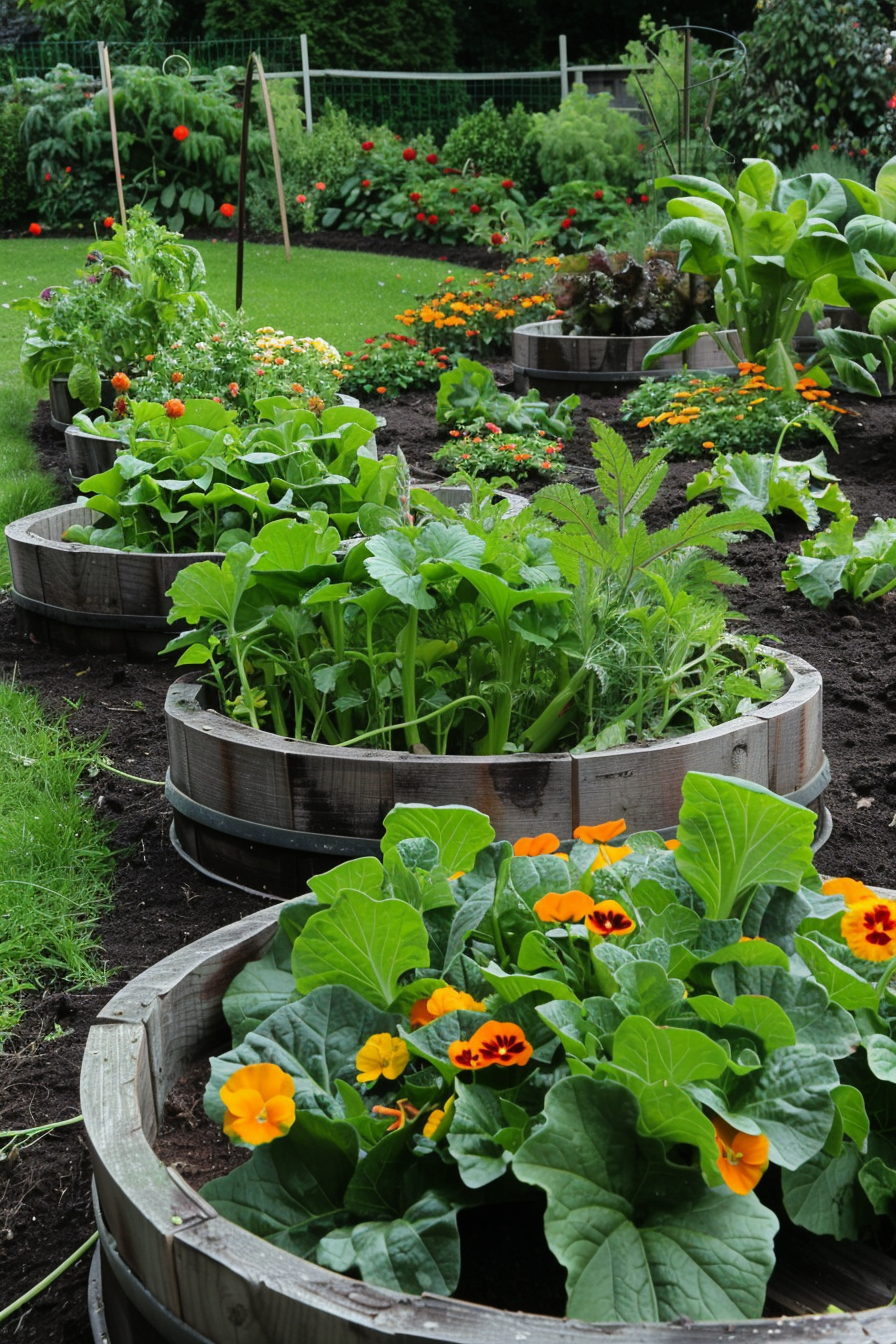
[
  {"x": 14, "y": 193},
  {"x": 328, "y": 155},
  {"x": 492, "y": 143},
  {"x": 586, "y": 138}
]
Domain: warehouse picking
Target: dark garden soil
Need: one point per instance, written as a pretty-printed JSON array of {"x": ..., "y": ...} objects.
[{"x": 161, "y": 903}]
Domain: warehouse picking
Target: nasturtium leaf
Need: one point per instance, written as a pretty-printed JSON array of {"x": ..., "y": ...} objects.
[
  {"x": 512, "y": 986},
  {"x": 735, "y": 835},
  {"x": 666, "y": 1054},
  {"x": 294, "y": 915},
  {"x": 879, "y": 1183},
  {"x": 842, "y": 984},
  {"x": 881, "y": 1054},
  {"x": 364, "y": 874},
  {"x": 757, "y": 1014},
  {"x": 641, "y": 1239},
  {"x": 363, "y": 944},
  {"x": 473, "y": 1140},
  {"x": 375, "y": 1189},
  {"x": 817, "y": 1021},
  {"x": 292, "y": 1190},
  {"x": 315, "y": 1040},
  {"x": 645, "y": 989},
  {"x": 824, "y": 1195},
  {"x": 669, "y": 1114},
  {"x": 431, "y": 1042},
  {"x": 417, "y": 1253},
  {"x": 459, "y": 832},
  {"x": 788, "y": 1100},
  {"x": 854, "y": 1118},
  {"x": 260, "y": 988}
]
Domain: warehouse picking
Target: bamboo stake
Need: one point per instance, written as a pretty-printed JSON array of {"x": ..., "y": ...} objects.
[
  {"x": 107, "y": 79},
  {"x": 255, "y": 60}
]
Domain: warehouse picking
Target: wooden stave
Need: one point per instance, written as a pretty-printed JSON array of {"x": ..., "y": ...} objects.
[
  {"x": 233, "y": 1287},
  {"x": 243, "y": 773},
  {"x": 89, "y": 454}
]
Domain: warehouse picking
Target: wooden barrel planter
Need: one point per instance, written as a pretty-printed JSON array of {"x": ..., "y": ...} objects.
[
  {"x": 265, "y": 813},
  {"x": 90, "y": 597},
  {"x": 556, "y": 364},
  {"x": 89, "y": 454},
  {"x": 174, "y": 1270},
  {"x": 64, "y": 407}
]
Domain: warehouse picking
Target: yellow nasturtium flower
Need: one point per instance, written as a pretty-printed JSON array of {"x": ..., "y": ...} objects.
[
  {"x": 381, "y": 1056},
  {"x": 258, "y": 1102}
]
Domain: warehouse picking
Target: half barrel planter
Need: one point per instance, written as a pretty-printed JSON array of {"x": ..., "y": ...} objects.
[
  {"x": 89, "y": 454},
  {"x": 266, "y": 813},
  {"x": 91, "y": 597},
  {"x": 169, "y": 1268},
  {"x": 64, "y": 407},
  {"x": 557, "y": 364}
]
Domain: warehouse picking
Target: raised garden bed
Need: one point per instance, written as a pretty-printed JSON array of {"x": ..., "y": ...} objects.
[{"x": 266, "y": 812}]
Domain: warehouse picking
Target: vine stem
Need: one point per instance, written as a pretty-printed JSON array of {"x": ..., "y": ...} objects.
[{"x": 50, "y": 1278}]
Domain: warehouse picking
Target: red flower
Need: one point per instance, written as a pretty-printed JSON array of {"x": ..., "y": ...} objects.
[
  {"x": 507, "y": 183},
  {"x": 174, "y": 408},
  {"x": 813, "y": 146},
  {"x": 301, "y": 199},
  {"x": 566, "y": 224},
  {"x": 421, "y": 218},
  {"x": 47, "y": 176},
  {"x": 120, "y": 406},
  {"x": 644, "y": 200},
  {"x": 108, "y": 222},
  {"x": 433, "y": 219},
  {"x": 414, "y": 196},
  {"x": 369, "y": 340},
  {"x": 366, "y": 182},
  {"x": 452, "y": 191},
  {"x": 68, "y": 170},
  {"x": 571, "y": 211},
  {"x": 628, "y": 200},
  {"x": 227, "y": 210},
  {"x": 409, "y": 155},
  {"x": 598, "y": 195},
  {"x": 475, "y": 209},
  {"x": 891, "y": 102},
  {"x": 320, "y": 186},
  {"x": 863, "y": 152},
  {"x": 35, "y": 229},
  {"x": 180, "y": 132},
  {"x": 497, "y": 239},
  {"x": 367, "y": 145},
  {"x": 432, "y": 158}
]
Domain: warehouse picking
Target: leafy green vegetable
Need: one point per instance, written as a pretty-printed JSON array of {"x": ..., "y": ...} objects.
[{"x": 835, "y": 561}]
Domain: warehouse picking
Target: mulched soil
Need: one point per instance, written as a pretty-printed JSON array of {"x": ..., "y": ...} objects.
[{"x": 161, "y": 903}]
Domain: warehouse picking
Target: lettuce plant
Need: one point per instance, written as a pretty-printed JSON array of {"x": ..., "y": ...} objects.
[
  {"x": 837, "y": 561},
  {"x": 635, "y": 1031},
  {"x": 468, "y": 395},
  {"x": 556, "y": 628}
]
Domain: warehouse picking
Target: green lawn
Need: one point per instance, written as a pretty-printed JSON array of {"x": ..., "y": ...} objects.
[{"x": 341, "y": 296}]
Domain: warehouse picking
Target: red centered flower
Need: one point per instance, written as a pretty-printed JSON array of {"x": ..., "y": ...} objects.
[
  {"x": 174, "y": 408},
  {"x": 869, "y": 928},
  {"x": 409, "y": 155},
  {"x": 432, "y": 158},
  {"x": 227, "y": 210},
  {"x": 608, "y": 918},
  {"x": 35, "y": 229},
  {"x": 475, "y": 209},
  {"x": 507, "y": 183},
  {"x": 367, "y": 145},
  {"x": 121, "y": 382},
  {"x": 180, "y": 132},
  {"x": 108, "y": 222},
  {"x": 414, "y": 196},
  {"x": 500, "y": 1043}
]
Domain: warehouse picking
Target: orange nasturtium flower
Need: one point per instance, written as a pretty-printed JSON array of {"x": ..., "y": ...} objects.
[
  {"x": 258, "y": 1102},
  {"x": 608, "y": 918},
  {"x": 381, "y": 1056},
  {"x": 742, "y": 1157},
  {"x": 121, "y": 382},
  {"x": 869, "y": 928},
  {"x": 566, "y": 907},
  {"x": 442, "y": 1001},
  {"x": 607, "y": 854},
  {"x": 599, "y": 835},
  {"x": 402, "y": 1110},
  {"x": 495, "y": 1043},
  {"x": 531, "y": 845},
  {"x": 672, "y": 844}
]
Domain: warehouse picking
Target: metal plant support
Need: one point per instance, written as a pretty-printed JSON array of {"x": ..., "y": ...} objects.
[{"x": 255, "y": 63}]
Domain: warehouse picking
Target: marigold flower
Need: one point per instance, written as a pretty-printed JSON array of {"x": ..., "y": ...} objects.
[
  {"x": 180, "y": 133},
  {"x": 35, "y": 230},
  {"x": 177, "y": 377},
  {"x": 297, "y": 388},
  {"x": 301, "y": 199},
  {"x": 320, "y": 186},
  {"x": 402, "y": 1110},
  {"x": 121, "y": 382},
  {"x": 227, "y": 210},
  {"x": 149, "y": 358},
  {"x": 594, "y": 835},
  {"x": 530, "y": 846},
  {"x": 742, "y": 1157},
  {"x": 381, "y": 1056},
  {"x": 607, "y": 854},
  {"x": 847, "y": 887},
  {"x": 708, "y": 443},
  {"x": 869, "y": 929},
  {"x": 409, "y": 154},
  {"x": 258, "y": 1103},
  {"x": 174, "y": 408},
  {"x": 233, "y": 389},
  {"x": 566, "y": 907},
  {"x": 382, "y": 391},
  {"x": 108, "y": 222},
  {"x": 609, "y": 919}
]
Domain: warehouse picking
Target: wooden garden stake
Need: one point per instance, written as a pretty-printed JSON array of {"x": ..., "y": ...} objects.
[
  {"x": 255, "y": 61},
  {"x": 113, "y": 128}
]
